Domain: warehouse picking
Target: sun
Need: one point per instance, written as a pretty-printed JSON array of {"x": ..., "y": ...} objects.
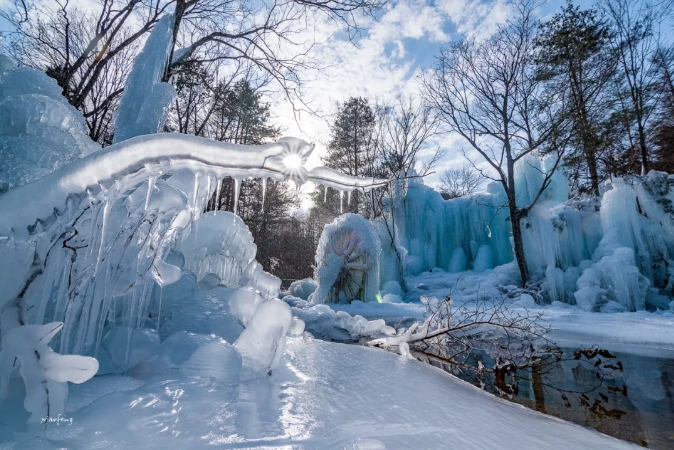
[{"x": 293, "y": 161}]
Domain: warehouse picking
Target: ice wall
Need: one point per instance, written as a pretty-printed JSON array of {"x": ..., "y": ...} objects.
[
  {"x": 146, "y": 99},
  {"x": 39, "y": 130},
  {"x": 609, "y": 253},
  {"x": 434, "y": 230}
]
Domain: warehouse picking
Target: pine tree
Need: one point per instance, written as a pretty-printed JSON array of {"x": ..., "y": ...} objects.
[
  {"x": 350, "y": 148},
  {"x": 572, "y": 55}
]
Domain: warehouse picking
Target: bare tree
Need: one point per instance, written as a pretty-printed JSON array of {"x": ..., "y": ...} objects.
[
  {"x": 635, "y": 39},
  {"x": 406, "y": 130},
  {"x": 459, "y": 182},
  {"x": 487, "y": 340},
  {"x": 78, "y": 47},
  {"x": 487, "y": 93}
]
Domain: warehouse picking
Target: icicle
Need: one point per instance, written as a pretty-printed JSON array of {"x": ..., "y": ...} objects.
[
  {"x": 264, "y": 191},
  {"x": 348, "y": 199},
  {"x": 325, "y": 194},
  {"x": 193, "y": 206},
  {"x": 217, "y": 193},
  {"x": 161, "y": 300},
  {"x": 150, "y": 187},
  {"x": 341, "y": 202},
  {"x": 106, "y": 214},
  {"x": 236, "y": 194},
  {"x": 208, "y": 191}
]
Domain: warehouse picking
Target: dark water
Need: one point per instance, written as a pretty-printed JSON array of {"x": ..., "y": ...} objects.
[{"x": 635, "y": 404}]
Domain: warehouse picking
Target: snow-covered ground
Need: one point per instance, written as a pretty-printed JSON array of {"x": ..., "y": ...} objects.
[
  {"x": 641, "y": 332},
  {"x": 325, "y": 396}
]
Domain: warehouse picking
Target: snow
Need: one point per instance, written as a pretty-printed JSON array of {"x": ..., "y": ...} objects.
[{"x": 323, "y": 321}]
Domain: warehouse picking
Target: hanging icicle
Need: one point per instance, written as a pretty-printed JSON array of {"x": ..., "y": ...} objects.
[
  {"x": 325, "y": 194},
  {"x": 341, "y": 202},
  {"x": 264, "y": 191},
  {"x": 236, "y": 194},
  {"x": 217, "y": 194}
]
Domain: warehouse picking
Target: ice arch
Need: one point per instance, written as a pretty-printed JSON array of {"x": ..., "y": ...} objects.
[{"x": 91, "y": 237}]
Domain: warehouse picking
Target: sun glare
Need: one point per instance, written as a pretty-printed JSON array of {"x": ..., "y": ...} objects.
[{"x": 292, "y": 161}]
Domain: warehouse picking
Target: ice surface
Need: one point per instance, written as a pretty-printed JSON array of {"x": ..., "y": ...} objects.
[
  {"x": 324, "y": 396},
  {"x": 146, "y": 100}
]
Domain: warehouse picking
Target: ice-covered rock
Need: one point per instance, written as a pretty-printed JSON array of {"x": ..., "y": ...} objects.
[{"x": 302, "y": 288}]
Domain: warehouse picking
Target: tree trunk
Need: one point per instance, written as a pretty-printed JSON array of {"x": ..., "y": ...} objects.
[
  {"x": 644, "y": 150},
  {"x": 515, "y": 216}
]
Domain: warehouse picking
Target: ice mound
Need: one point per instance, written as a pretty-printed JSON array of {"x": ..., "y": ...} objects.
[
  {"x": 302, "y": 288},
  {"x": 178, "y": 347},
  {"x": 39, "y": 130},
  {"x": 326, "y": 323},
  {"x": 347, "y": 261},
  {"x": 262, "y": 343},
  {"x": 220, "y": 244},
  {"x": 217, "y": 360},
  {"x": 123, "y": 348}
]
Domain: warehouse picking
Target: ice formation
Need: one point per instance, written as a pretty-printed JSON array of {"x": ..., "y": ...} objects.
[
  {"x": 96, "y": 243},
  {"x": 606, "y": 254},
  {"x": 39, "y": 130},
  {"x": 326, "y": 323},
  {"x": 146, "y": 100},
  {"x": 347, "y": 261},
  {"x": 302, "y": 288},
  {"x": 44, "y": 372}
]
